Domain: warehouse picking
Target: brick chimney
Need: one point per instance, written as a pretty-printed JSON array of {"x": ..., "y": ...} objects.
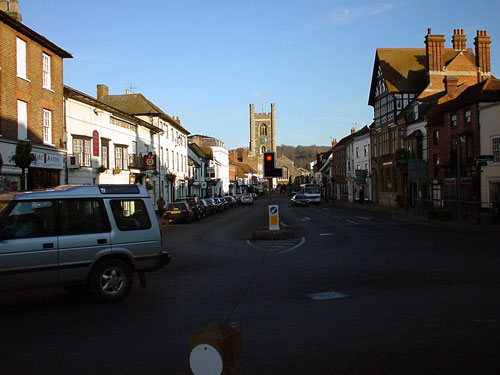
[
  {"x": 11, "y": 7},
  {"x": 434, "y": 48},
  {"x": 482, "y": 42},
  {"x": 102, "y": 91},
  {"x": 459, "y": 40},
  {"x": 451, "y": 83}
]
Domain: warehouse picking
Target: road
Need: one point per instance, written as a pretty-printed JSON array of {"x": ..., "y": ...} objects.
[{"x": 418, "y": 299}]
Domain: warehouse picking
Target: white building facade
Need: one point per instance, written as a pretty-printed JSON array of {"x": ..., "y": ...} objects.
[
  {"x": 103, "y": 142},
  {"x": 490, "y": 145},
  {"x": 362, "y": 162}
]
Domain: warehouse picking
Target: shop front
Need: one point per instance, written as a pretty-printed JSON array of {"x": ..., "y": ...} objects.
[{"x": 46, "y": 171}]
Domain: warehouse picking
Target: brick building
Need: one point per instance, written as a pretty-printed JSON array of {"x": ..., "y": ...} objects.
[
  {"x": 454, "y": 142},
  {"x": 415, "y": 76},
  {"x": 31, "y": 101}
]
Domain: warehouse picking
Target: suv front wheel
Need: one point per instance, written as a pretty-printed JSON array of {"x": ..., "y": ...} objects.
[{"x": 111, "y": 280}]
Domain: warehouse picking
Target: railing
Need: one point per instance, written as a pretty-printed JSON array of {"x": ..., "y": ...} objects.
[{"x": 453, "y": 210}]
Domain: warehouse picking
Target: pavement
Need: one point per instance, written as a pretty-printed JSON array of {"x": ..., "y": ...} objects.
[{"x": 407, "y": 216}]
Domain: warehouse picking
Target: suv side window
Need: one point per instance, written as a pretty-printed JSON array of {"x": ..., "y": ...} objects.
[
  {"x": 130, "y": 214},
  {"x": 83, "y": 216},
  {"x": 30, "y": 219}
]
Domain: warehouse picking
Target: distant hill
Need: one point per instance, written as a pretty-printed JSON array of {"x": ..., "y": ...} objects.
[{"x": 301, "y": 155}]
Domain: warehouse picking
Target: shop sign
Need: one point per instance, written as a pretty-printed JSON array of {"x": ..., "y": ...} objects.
[
  {"x": 47, "y": 160},
  {"x": 95, "y": 143}
]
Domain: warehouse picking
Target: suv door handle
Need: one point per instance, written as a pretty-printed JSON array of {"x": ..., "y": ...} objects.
[
  {"x": 48, "y": 245},
  {"x": 102, "y": 240}
]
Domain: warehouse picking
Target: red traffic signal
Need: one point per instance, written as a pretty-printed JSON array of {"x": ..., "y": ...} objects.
[{"x": 270, "y": 169}]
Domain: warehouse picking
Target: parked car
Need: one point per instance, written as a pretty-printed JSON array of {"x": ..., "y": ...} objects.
[
  {"x": 247, "y": 199},
  {"x": 195, "y": 204},
  {"x": 93, "y": 237},
  {"x": 300, "y": 200},
  {"x": 206, "y": 207},
  {"x": 212, "y": 206},
  {"x": 230, "y": 202},
  {"x": 222, "y": 203},
  {"x": 239, "y": 199},
  {"x": 179, "y": 211}
]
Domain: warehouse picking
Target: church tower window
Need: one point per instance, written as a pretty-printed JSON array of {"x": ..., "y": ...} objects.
[
  {"x": 263, "y": 129},
  {"x": 263, "y": 149}
]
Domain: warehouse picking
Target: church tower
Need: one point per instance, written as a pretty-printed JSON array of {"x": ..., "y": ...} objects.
[{"x": 262, "y": 131}]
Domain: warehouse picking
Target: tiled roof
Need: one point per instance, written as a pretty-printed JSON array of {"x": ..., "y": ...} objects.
[
  {"x": 405, "y": 69},
  {"x": 138, "y": 104},
  {"x": 487, "y": 91},
  {"x": 89, "y": 100}
]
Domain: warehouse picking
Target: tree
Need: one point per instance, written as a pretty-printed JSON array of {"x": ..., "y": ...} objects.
[{"x": 23, "y": 159}]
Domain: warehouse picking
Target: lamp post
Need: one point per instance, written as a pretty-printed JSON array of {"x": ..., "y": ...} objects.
[{"x": 459, "y": 177}]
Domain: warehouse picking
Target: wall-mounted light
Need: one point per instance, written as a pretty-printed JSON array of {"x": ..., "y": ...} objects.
[
  {"x": 131, "y": 179},
  {"x": 148, "y": 180}
]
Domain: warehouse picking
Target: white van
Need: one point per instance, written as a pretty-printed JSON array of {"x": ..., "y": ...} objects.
[{"x": 73, "y": 236}]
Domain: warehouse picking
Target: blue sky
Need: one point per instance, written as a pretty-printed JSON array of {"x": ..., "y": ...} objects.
[{"x": 206, "y": 61}]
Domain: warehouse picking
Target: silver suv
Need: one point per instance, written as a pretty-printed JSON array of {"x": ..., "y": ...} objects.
[{"x": 73, "y": 236}]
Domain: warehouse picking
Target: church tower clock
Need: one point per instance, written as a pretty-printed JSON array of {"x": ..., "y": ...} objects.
[{"x": 262, "y": 131}]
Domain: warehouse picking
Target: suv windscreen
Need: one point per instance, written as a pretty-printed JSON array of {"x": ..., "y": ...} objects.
[
  {"x": 30, "y": 219},
  {"x": 3, "y": 204}
]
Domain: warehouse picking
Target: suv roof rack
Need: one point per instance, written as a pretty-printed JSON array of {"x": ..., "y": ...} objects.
[{"x": 119, "y": 189}]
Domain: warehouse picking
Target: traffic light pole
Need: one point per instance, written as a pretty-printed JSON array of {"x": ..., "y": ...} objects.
[{"x": 269, "y": 184}]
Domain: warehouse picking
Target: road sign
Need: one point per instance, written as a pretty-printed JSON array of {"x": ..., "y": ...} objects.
[{"x": 274, "y": 220}]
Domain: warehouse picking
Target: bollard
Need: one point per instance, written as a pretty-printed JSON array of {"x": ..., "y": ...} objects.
[{"x": 216, "y": 349}]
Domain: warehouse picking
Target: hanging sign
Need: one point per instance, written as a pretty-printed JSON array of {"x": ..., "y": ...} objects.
[
  {"x": 150, "y": 161},
  {"x": 95, "y": 143}
]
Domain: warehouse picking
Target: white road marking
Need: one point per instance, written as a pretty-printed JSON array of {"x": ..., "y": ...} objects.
[
  {"x": 306, "y": 218},
  {"x": 352, "y": 222},
  {"x": 302, "y": 241},
  {"x": 337, "y": 217},
  {"x": 328, "y": 214},
  {"x": 364, "y": 218},
  {"x": 326, "y": 234},
  {"x": 283, "y": 224},
  {"x": 324, "y": 208}
]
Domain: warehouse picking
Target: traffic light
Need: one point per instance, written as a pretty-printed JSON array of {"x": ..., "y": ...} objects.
[{"x": 270, "y": 169}]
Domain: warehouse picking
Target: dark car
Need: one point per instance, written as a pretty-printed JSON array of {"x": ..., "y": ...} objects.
[
  {"x": 212, "y": 206},
  {"x": 179, "y": 211},
  {"x": 230, "y": 202},
  {"x": 206, "y": 207},
  {"x": 221, "y": 202},
  {"x": 195, "y": 204},
  {"x": 300, "y": 200}
]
